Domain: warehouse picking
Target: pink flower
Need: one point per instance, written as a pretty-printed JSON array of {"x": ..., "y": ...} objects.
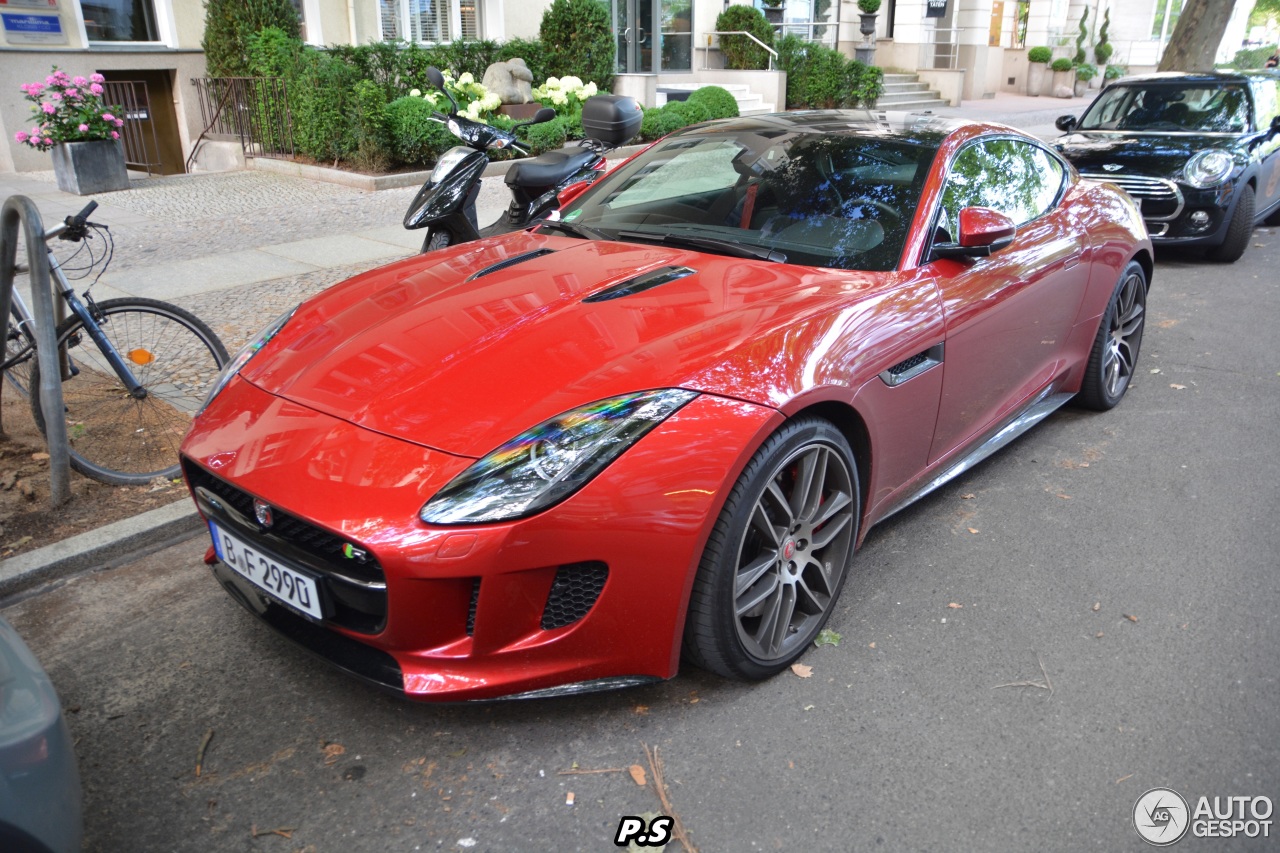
[
  {"x": 105, "y": 116},
  {"x": 119, "y": 122},
  {"x": 21, "y": 136},
  {"x": 73, "y": 93},
  {"x": 115, "y": 135},
  {"x": 97, "y": 78},
  {"x": 49, "y": 109},
  {"x": 57, "y": 96},
  {"x": 84, "y": 128},
  {"x": 95, "y": 88},
  {"x": 32, "y": 89},
  {"x": 50, "y": 80},
  {"x": 80, "y": 81}
]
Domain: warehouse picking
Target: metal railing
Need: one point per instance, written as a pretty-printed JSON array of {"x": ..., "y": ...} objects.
[
  {"x": 818, "y": 32},
  {"x": 773, "y": 54},
  {"x": 941, "y": 48},
  {"x": 141, "y": 144},
  {"x": 20, "y": 210},
  {"x": 253, "y": 109}
]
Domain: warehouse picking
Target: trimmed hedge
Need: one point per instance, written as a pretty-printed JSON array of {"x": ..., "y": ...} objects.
[
  {"x": 740, "y": 52},
  {"x": 228, "y": 26},
  {"x": 718, "y": 102},
  {"x": 819, "y": 77}
]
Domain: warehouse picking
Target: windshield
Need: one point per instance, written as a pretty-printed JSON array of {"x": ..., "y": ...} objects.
[
  {"x": 1171, "y": 109},
  {"x": 823, "y": 199}
]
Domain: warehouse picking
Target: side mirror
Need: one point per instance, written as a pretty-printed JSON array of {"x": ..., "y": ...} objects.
[
  {"x": 1275, "y": 126},
  {"x": 983, "y": 231},
  {"x": 1066, "y": 124}
]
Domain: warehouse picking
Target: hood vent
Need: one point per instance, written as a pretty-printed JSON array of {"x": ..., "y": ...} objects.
[
  {"x": 640, "y": 284},
  {"x": 509, "y": 262}
]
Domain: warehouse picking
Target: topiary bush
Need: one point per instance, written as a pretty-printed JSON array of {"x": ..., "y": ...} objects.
[
  {"x": 1103, "y": 49},
  {"x": 1080, "y": 37},
  {"x": 740, "y": 52},
  {"x": 1039, "y": 54},
  {"x": 1061, "y": 64},
  {"x": 577, "y": 39},
  {"x": 228, "y": 24},
  {"x": 718, "y": 102}
]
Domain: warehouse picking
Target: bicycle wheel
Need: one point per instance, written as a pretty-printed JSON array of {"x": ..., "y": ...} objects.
[
  {"x": 19, "y": 348},
  {"x": 117, "y": 438}
]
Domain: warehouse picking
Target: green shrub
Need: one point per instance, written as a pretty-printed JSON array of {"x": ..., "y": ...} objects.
[
  {"x": 1115, "y": 72},
  {"x": 658, "y": 122},
  {"x": 1102, "y": 50},
  {"x": 1083, "y": 34},
  {"x": 415, "y": 138},
  {"x": 322, "y": 101},
  {"x": 577, "y": 39},
  {"x": 1085, "y": 71},
  {"x": 691, "y": 112},
  {"x": 272, "y": 52},
  {"x": 531, "y": 51},
  {"x": 718, "y": 102},
  {"x": 1039, "y": 54},
  {"x": 1253, "y": 57},
  {"x": 546, "y": 136},
  {"x": 819, "y": 77},
  {"x": 868, "y": 7},
  {"x": 228, "y": 24},
  {"x": 373, "y": 140},
  {"x": 741, "y": 52},
  {"x": 1061, "y": 64},
  {"x": 866, "y": 84}
]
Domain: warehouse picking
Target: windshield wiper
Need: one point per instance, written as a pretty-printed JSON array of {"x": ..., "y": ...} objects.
[
  {"x": 573, "y": 230},
  {"x": 723, "y": 247}
]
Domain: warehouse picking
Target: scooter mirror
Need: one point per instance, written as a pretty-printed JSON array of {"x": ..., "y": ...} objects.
[
  {"x": 435, "y": 78},
  {"x": 544, "y": 114}
]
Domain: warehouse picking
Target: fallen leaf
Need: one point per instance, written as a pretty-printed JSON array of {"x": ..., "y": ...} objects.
[
  {"x": 1098, "y": 635},
  {"x": 640, "y": 709},
  {"x": 637, "y": 774},
  {"x": 1131, "y": 618},
  {"x": 1122, "y": 778},
  {"x": 955, "y": 606},
  {"x": 802, "y": 670},
  {"x": 808, "y": 708},
  {"x": 332, "y": 751},
  {"x": 1175, "y": 386},
  {"x": 1097, "y": 605},
  {"x": 568, "y": 798},
  {"x": 872, "y": 646},
  {"x": 973, "y": 530},
  {"x": 1155, "y": 370},
  {"x": 827, "y": 637},
  {"x": 18, "y": 543},
  {"x": 40, "y": 457},
  {"x": 1064, "y": 497},
  {"x": 968, "y": 497}
]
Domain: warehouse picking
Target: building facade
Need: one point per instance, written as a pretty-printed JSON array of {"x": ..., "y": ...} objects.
[{"x": 150, "y": 49}]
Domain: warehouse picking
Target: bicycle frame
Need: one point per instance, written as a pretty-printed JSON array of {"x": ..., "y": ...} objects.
[{"x": 79, "y": 309}]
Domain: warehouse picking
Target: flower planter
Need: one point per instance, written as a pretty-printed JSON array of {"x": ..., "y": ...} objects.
[
  {"x": 1035, "y": 78},
  {"x": 1081, "y": 88},
  {"x": 87, "y": 168},
  {"x": 867, "y": 26},
  {"x": 773, "y": 14}
]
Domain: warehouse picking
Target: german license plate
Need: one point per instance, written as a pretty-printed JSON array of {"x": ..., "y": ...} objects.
[{"x": 267, "y": 573}]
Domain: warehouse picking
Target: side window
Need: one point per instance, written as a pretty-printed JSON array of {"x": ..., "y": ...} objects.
[
  {"x": 1268, "y": 105},
  {"x": 1016, "y": 178}
]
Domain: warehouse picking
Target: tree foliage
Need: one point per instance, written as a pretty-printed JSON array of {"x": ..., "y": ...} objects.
[
  {"x": 741, "y": 52},
  {"x": 228, "y": 25},
  {"x": 577, "y": 40}
]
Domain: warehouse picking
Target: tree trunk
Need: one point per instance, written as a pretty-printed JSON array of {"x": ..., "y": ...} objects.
[{"x": 1194, "y": 43}]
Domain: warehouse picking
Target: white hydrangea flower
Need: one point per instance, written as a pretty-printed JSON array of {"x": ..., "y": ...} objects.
[
  {"x": 415, "y": 93},
  {"x": 570, "y": 83}
]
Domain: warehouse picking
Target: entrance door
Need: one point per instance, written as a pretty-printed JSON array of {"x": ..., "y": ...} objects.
[
  {"x": 633, "y": 24},
  {"x": 653, "y": 35}
]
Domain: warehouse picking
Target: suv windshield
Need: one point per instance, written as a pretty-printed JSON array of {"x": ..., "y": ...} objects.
[
  {"x": 1171, "y": 109},
  {"x": 824, "y": 199}
]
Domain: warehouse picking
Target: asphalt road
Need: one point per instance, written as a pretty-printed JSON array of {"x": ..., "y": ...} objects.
[{"x": 1122, "y": 566}]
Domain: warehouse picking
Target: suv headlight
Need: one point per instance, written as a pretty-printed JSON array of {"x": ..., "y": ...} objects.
[
  {"x": 546, "y": 464},
  {"x": 1208, "y": 169},
  {"x": 249, "y": 350}
]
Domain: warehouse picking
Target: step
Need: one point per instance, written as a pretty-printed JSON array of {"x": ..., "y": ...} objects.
[
  {"x": 903, "y": 97},
  {"x": 896, "y": 88},
  {"x": 762, "y": 109},
  {"x": 912, "y": 106}
]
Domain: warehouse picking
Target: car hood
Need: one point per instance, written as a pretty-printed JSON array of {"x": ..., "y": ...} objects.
[
  {"x": 1154, "y": 154},
  {"x": 463, "y": 349}
]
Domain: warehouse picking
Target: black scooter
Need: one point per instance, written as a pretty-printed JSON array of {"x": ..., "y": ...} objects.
[{"x": 446, "y": 204}]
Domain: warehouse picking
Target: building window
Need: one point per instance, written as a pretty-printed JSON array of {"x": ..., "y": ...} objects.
[
  {"x": 120, "y": 20},
  {"x": 429, "y": 21},
  {"x": 1166, "y": 19}
]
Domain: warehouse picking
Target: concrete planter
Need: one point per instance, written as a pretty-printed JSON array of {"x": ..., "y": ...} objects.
[
  {"x": 1035, "y": 78},
  {"x": 88, "y": 168}
]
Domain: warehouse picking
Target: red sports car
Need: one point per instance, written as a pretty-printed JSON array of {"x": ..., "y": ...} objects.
[{"x": 556, "y": 461}]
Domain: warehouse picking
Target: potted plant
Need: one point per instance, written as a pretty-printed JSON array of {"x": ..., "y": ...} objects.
[
  {"x": 70, "y": 120},
  {"x": 865, "y": 52},
  {"x": 1062, "y": 84},
  {"x": 1084, "y": 73},
  {"x": 773, "y": 10},
  {"x": 1103, "y": 49},
  {"x": 1037, "y": 59}
]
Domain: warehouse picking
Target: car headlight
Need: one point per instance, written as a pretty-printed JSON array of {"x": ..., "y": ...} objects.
[
  {"x": 553, "y": 460},
  {"x": 1208, "y": 169},
  {"x": 241, "y": 358}
]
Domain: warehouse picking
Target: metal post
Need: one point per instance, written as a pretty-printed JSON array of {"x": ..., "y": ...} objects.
[{"x": 19, "y": 208}]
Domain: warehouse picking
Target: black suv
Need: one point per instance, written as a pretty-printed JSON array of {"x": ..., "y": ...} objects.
[{"x": 1199, "y": 152}]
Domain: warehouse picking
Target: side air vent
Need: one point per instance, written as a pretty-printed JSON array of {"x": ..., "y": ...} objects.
[
  {"x": 639, "y": 284},
  {"x": 509, "y": 262},
  {"x": 912, "y": 367},
  {"x": 573, "y": 593}
]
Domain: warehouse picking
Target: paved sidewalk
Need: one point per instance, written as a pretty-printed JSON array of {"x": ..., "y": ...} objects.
[{"x": 239, "y": 248}]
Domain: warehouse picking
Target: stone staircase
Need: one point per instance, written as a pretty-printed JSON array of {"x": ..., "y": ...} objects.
[
  {"x": 906, "y": 92},
  {"x": 749, "y": 103}
]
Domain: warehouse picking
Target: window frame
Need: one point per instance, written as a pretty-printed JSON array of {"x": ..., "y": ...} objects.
[
  {"x": 403, "y": 17},
  {"x": 166, "y": 28}
]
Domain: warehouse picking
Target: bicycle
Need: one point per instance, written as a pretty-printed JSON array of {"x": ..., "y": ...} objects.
[{"x": 134, "y": 371}]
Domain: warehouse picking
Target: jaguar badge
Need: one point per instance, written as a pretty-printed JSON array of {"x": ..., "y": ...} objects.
[{"x": 262, "y": 512}]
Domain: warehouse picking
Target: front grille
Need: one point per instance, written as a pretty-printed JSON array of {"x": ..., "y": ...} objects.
[
  {"x": 352, "y": 579},
  {"x": 1161, "y": 200},
  {"x": 573, "y": 593}
]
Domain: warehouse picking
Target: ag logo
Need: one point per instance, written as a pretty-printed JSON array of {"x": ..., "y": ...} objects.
[{"x": 1161, "y": 816}]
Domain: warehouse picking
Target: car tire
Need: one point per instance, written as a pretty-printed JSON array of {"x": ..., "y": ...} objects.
[
  {"x": 1115, "y": 348},
  {"x": 765, "y": 586},
  {"x": 1239, "y": 231}
]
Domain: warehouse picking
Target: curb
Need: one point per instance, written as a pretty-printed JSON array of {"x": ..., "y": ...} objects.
[{"x": 98, "y": 547}]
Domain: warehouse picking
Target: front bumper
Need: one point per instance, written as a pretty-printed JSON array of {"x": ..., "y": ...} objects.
[{"x": 590, "y": 593}]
